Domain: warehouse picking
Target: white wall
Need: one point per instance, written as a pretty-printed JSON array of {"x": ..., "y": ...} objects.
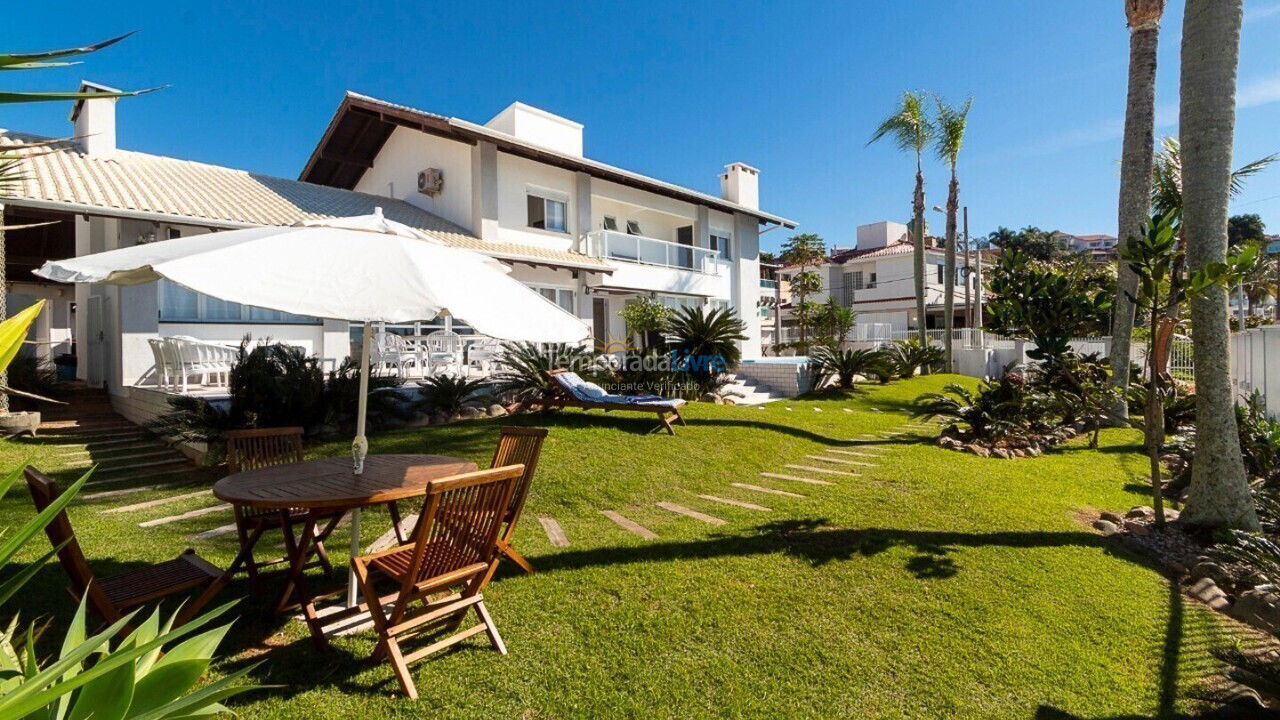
[
  {"x": 406, "y": 152},
  {"x": 516, "y": 177},
  {"x": 539, "y": 127}
]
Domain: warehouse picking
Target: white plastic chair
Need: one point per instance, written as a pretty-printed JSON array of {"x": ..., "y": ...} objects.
[
  {"x": 391, "y": 351},
  {"x": 481, "y": 354},
  {"x": 444, "y": 347},
  {"x": 163, "y": 371}
]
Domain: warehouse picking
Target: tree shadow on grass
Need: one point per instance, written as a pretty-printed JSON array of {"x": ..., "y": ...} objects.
[{"x": 818, "y": 543}]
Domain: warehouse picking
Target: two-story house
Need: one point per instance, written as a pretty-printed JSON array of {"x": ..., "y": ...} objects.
[
  {"x": 875, "y": 279},
  {"x": 521, "y": 182}
]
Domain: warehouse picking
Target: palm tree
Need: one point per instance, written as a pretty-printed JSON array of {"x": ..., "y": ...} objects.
[
  {"x": 952, "y": 122},
  {"x": 1219, "y": 494},
  {"x": 912, "y": 131},
  {"x": 1135, "y": 177},
  {"x": 804, "y": 249}
]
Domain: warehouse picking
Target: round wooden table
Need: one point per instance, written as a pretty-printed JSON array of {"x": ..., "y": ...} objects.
[{"x": 326, "y": 489}]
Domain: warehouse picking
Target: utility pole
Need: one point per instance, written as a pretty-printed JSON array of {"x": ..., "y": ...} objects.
[
  {"x": 977, "y": 288},
  {"x": 777, "y": 313},
  {"x": 968, "y": 303}
]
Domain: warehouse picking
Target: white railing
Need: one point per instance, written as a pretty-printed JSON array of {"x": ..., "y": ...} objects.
[{"x": 651, "y": 251}]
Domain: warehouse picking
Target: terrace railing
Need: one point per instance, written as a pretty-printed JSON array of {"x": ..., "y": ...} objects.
[{"x": 651, "y": 251}]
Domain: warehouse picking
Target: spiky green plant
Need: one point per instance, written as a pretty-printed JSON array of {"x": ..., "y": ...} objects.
[
  {"x": 523, "y": 364},
  {"x": 845, "y": 365},
  {"x": 908, "y": 356},
  {"x": 447, "y": 393}
]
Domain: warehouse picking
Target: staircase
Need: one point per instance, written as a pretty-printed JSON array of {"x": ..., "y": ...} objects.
[
  {"x": 87, "y": 431},
  {"x": 742, "y": 391}
]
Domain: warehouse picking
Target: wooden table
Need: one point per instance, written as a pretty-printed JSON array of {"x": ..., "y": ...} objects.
[{"x": 326, "y": 489}]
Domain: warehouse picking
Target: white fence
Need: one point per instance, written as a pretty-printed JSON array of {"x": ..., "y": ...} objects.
[{"x": 1255, "y": 364}]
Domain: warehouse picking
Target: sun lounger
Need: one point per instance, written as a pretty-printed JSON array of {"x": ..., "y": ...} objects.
[{"x": 570, "y": 390}]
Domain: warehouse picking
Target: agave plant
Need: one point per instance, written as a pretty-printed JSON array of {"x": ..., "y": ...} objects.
[
  {"x": 908, "y": 356},
  {"x": 845, "y": 365},
  {"x": 150, "y": 674},
  {"x": 524, "y": 364},
  {"x": 447, "y": 393}
]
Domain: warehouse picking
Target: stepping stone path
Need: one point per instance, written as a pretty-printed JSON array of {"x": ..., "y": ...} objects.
[
  {"x": 688, "y": 512},
  {"x": 840, "y": 461},
  {"x": 770, "y": 491},
  {"x": 630, "y": 525},
  {"x": 555, "y": 534},
  {"x": 215, "y": 532},
  {"x": 795, "y": 478},
  {"x": 388, "y": 538},
  {"x": 826, "y": 471},
  {"x": 185, "y": 516},
  {"x": 854, "y": 453},
  {"x": 735, "y": 503},
  {"x": 154, "y": 503}
]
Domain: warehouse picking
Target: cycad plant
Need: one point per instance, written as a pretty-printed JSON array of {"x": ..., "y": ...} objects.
[
  {"x": 705, "y": 343},
  {"x": 910, "y": 128},
  {"x": 523, "y": 364},
  {"x": 845, "y": 365},
  {"x": 446, "y": 393},
  {"x": 912, "y": 355}
]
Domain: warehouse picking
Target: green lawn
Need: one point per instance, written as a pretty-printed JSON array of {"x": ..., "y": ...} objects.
[{"x": 937, "y": 584}]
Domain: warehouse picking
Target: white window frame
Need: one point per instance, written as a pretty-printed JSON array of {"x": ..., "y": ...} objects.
[
  {"x": 547, "y": 195},
  {"x": 558, "y": 289},
  {"x": 720, "y": 234},
  {"x": 164, "y": 287}
]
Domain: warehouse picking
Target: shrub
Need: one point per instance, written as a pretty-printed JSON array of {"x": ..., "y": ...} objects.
[
  {"x": 342, "y": 393},
  {"x": 908, "y": 356},
  {"x": 705, "y": 345},
  {"x": 30, "y": 374},
  {"x": 1179, "y": 405},
  {"x": 999, "y": 409},
  {"x": 447, "y": 393},
  {"x": 845, "y": 365},
  {"x": 1259, "y": 440},
  {"x": 275, "y": 385},
  {"x": 524, "y": 364}
]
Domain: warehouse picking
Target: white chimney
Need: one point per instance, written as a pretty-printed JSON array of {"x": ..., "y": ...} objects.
[
  {"x": 94, "y": 120},
  {"x": 880, "y": 234},
  {"x": 740, "y": 183}
]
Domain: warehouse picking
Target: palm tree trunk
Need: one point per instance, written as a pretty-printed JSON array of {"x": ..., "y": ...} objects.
[
  {"x": 1135, "y": 193},
  {"x": 4, "y": 308},
  {"x": 917, "y": 205},
  {"x": 1219, "y": 493},
  {"x": 949, "y": 271}
]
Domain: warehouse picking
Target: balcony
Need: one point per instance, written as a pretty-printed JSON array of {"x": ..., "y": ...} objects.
[
  {"x": 616, "y": 245},
  {"x": 768, "y": 284}
]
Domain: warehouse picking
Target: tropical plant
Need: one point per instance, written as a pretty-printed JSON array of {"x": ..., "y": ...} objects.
[
  {"x": 909, "y": 126},
  {"x": 38, "y": 377},
  {"x": 524, "y": 364},
  {"x": 647, "y": 318},
  {"x": 1039, "y": 302},
  {"x": 151, "y": 673},
  {"x": 1037, "y": 244},
  {"x": 705, "y": 344},
  {"x": 1219, "y": 491},
  {"x": 193, "y": 419},
  {"x": 1000, "y": 408},
  {"x": 1179, "y": 405},
  {"x": 802, "y": 251},
  {"x": 342, "y": 393},
  {"x": 952, "y": 123},
  {"x": 845, "y": 365},
  {"x": 1078, "y": 385},
  {"x": 832, "y": 323},
  {"x": 13, "y": 331},
  {"x": 15, "y": 154},
  {"x": 1259, "y": 441},
  {"x": 275, "y": 385},
  {"x": 1143, "y": 18},
  {"x": 446, "y": 394},
  {"x": 911, "y": 355}
]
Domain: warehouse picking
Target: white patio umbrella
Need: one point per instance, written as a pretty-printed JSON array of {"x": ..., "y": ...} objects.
[{"x": 363, "y": 269}]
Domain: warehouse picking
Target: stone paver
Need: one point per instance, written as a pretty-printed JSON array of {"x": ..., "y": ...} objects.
[
  {"x": 840, "y": 461},
  {"x": 555, "y": 534},
  {"x": 735, "y": 503},
  {"x": 184, "y": 516},
  {"x": 771, "y": 491},
  {"x": 689, "y": 512},
  {"x": 215, "y": 532},
  {"x": 630, "y": 525},
  {"x": 855, "y": 453},
  {"x": 795, "y": 478},
  {"x": 154, "y": 503},
  {"x": 825, "y": 471}
]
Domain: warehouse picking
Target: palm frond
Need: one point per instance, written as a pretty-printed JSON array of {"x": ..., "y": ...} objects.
[
  {"x": 1244, "y": 173},
  {"x": 951, "y": 124},
  {"x": 24, "y": 58},
  {"x": 909, "y": 126}
]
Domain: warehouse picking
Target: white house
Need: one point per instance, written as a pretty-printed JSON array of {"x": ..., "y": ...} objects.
[
  {"x": 521, "y": 180},
  {"x": 876, "y": 280},
  {"x": 588, "y": 235}
]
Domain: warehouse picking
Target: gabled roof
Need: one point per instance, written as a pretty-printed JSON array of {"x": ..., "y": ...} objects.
[
  {"x": 58, "y": 175},
  {"x": 362, "y": 124}
]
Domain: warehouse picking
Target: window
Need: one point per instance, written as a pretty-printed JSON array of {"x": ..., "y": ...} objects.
[
  {"x": 871, "y": 284},
  {"x": 610, "y": 222},
  {"x": 633, "y": 228},
  {"x": 180, "y": 304},
  {"x": 855, "y": 280},
  {"x": 720, "y": 244},
  {"x": 547, "y": 213},
  {"x": 939, "y": 273},
  {"x": 563, "y": 297}
]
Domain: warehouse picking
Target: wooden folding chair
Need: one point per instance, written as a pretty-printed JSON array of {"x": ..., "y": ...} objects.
[
  {"x": 517, "y": 445},
  {"x": 455, "y": 544},
  {"x": 259, "y": 448},
  {"x": 113, "y": 597}
]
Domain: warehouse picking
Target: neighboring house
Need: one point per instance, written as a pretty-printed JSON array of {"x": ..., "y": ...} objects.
[
  {"x": 876, "y": 279},
  {"x": 775, "y": 293},
  {"x": 1099, "y": 248},
  {"x": 521, "y": 181},
  {"x": 545, "y": 211}
]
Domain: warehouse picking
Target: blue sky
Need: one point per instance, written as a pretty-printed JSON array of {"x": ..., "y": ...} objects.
[{"x": 673, "y": 90}]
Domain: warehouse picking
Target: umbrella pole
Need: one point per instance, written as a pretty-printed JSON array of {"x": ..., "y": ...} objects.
[{"x": 359, "y": 448}]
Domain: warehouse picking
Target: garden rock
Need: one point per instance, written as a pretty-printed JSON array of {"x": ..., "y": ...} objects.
[
  {"x": 1141, "y": 512},
  {"x": 1113, "y": 517},
  {"x": 1137, "y": 527},
  {"x": 496, "y": 410},
  {"x": 978, "y": 450},
  {"x": 471, "y": 413},
  {"x": 1002, "y": 453},
  {"x": 1207, "y": 591},
  {"x": 1106, "y": 527},
  {"x": 1258, "y": 608}
]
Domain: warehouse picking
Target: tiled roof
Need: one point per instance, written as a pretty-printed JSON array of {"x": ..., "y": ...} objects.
[{"x": 60, "y": 176}]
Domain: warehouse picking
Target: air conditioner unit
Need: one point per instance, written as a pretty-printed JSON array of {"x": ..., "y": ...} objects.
[{"x": 431, "y": 181}]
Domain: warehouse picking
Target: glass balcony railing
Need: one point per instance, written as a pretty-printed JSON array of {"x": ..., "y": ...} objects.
[
  {"x": 651, "y": 251},
  {"x": 767, "y": 284}
]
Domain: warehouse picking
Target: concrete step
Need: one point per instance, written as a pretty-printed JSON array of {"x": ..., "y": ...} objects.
[{"x": 130, "y": 460}]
